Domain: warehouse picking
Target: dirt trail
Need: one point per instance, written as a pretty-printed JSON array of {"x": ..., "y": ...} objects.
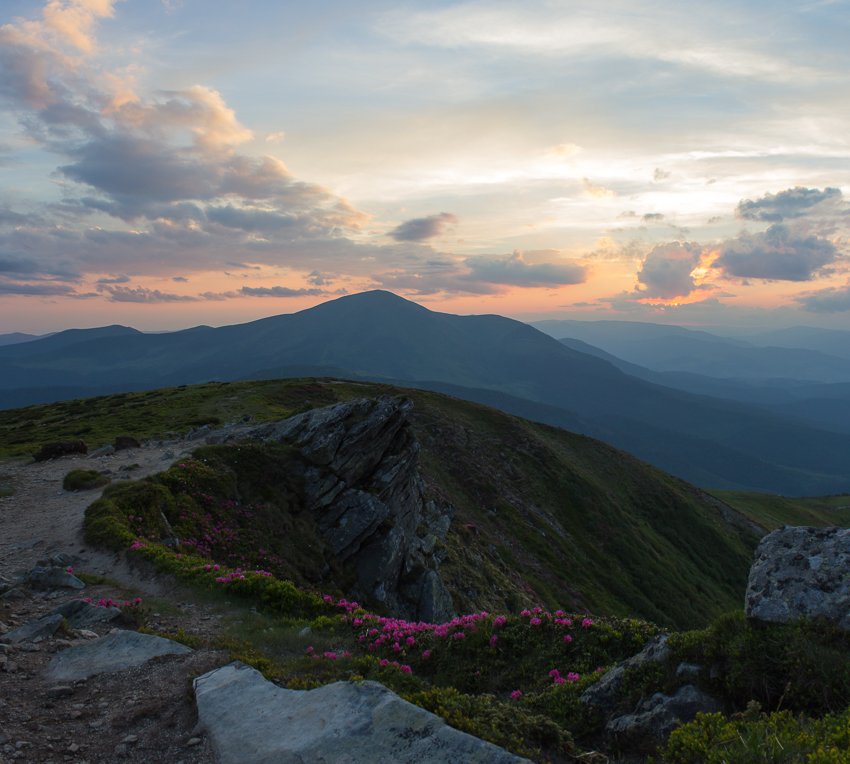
[
  {"x": 40, "y": 519},
  {"x": 140, "y": 715}
]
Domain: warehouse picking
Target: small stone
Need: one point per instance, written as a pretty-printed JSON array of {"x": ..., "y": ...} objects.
[
  {"x": 60, "y": 691},
  {"x": 131, "y": 739},
  {"x": 192, "y": 741},
  {"x": 120, "y": 750},
  {"x": 73, "y": 748}
]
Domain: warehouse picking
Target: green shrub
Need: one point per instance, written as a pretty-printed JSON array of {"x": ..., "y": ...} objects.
[
  {"x": 127, "y": 511},
  {"x": 509, "y": 724},
  {"x": 802, "y": 666},
  {"x": 778, "y": 738},
  {"x": 84, "y": 480}
]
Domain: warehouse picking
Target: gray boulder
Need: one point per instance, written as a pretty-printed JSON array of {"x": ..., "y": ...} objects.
[
  {"x": 801, "y": 572},
  {"x": 117, "y": 651},
  {"x": 82, "y": 615},
  {"x": 605, "y": 693},
  {"x": 53, "y": 577},
  {"x": 655, "y": 718},
  {"x": 249, "y": 720},
  {"x": 43, "y": 627}
]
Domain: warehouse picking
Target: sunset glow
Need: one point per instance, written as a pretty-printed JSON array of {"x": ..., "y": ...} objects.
[{"x": 168, "y": 164}]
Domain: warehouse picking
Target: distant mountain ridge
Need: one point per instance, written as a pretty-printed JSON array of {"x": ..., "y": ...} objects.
[
  {"x": 676, "y": 349},
  {"x": 14, "y": 338},
  {"x": 380, "y": 336}
]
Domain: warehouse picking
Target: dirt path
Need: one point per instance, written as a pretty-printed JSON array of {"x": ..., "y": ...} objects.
[
  {"x": 40, "y": 519},
  {"x": 140, "y": 715}
]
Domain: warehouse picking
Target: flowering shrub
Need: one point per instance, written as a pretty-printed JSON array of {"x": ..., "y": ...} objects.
[{"x": 514, "y": 679}]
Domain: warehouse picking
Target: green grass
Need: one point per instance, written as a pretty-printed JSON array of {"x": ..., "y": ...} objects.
[
  {"x": 168, "y": 412},
  {"x": 556, "y": 518},
  {"x": 542, "y": 517},
  {"x": 773, "y": 512},
  {"x": 84, "y": 480}
]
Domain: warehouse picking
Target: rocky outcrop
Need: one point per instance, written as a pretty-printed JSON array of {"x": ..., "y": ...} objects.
[
  {"x": 644, "y": 725},
  {"x": 655, "y": 718},
  {"x": 249, "y": 720},
  {"x": 605, "y": 693},
  {"x": 361, "y": 480},
  {"x": 801, "y": 572}
]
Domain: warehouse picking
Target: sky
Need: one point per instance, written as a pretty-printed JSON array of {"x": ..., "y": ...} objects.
[{"x": 169, "y": 163}]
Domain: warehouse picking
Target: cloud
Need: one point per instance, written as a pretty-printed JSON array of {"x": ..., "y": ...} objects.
[
  {"x": 26, "y": 267},
  {"x": 780, "y": 253},
  {"x": 280, "y": 291},
  {"x": 652, "y": 217},
  {"x": 515, "y": 271},
  {"x": 667, "y": 270},
  {"x": 121, "y": 279},
  {"x": 793, "y": 203},
  {"x": 833, "y": 300},
  {"x": 142, "y": 295},
  {"x": 44, "y": 290},
  {"x": 10, "y": 217},
  {"x": 598, "y": 192},
  {"x": 319, "y": 279},
  {"x": 480, "y": 275},
  {"x": 420, "y": 229},
  {"x": 169, "y": 162}
]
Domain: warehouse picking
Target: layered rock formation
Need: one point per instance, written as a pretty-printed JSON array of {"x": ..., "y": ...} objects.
[{"x": 361, "y": 480}]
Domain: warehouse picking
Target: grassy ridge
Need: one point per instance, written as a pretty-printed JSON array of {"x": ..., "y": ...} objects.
[
  {"x": 543, "y": 516},
  {"x": 775, "y": 511}
]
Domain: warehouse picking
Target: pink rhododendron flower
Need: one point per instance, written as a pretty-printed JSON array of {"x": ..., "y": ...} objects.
[{"x": 516, "y": 694}]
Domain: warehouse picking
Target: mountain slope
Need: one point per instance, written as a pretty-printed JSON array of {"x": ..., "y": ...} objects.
[
  {"x": 378, "y": 335},
  {"x": 543, "y": 516}
]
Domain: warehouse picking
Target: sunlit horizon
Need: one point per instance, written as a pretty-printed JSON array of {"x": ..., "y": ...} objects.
[{"x": 171, "y": 164}]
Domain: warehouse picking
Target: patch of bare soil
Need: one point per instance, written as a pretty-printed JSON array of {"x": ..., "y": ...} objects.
[{"x": 144, "y": 714}]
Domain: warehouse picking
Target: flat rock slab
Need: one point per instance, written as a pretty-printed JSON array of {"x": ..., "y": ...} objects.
[
  {"x": 82, "y": 615},
  {"x": 249, "y": 720},
  {"x": 53, "y": 577},
  {"x": 117, "y": 651},
  {"x": 43, "y": 627},
  {"x": 801, "y": 572}
]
